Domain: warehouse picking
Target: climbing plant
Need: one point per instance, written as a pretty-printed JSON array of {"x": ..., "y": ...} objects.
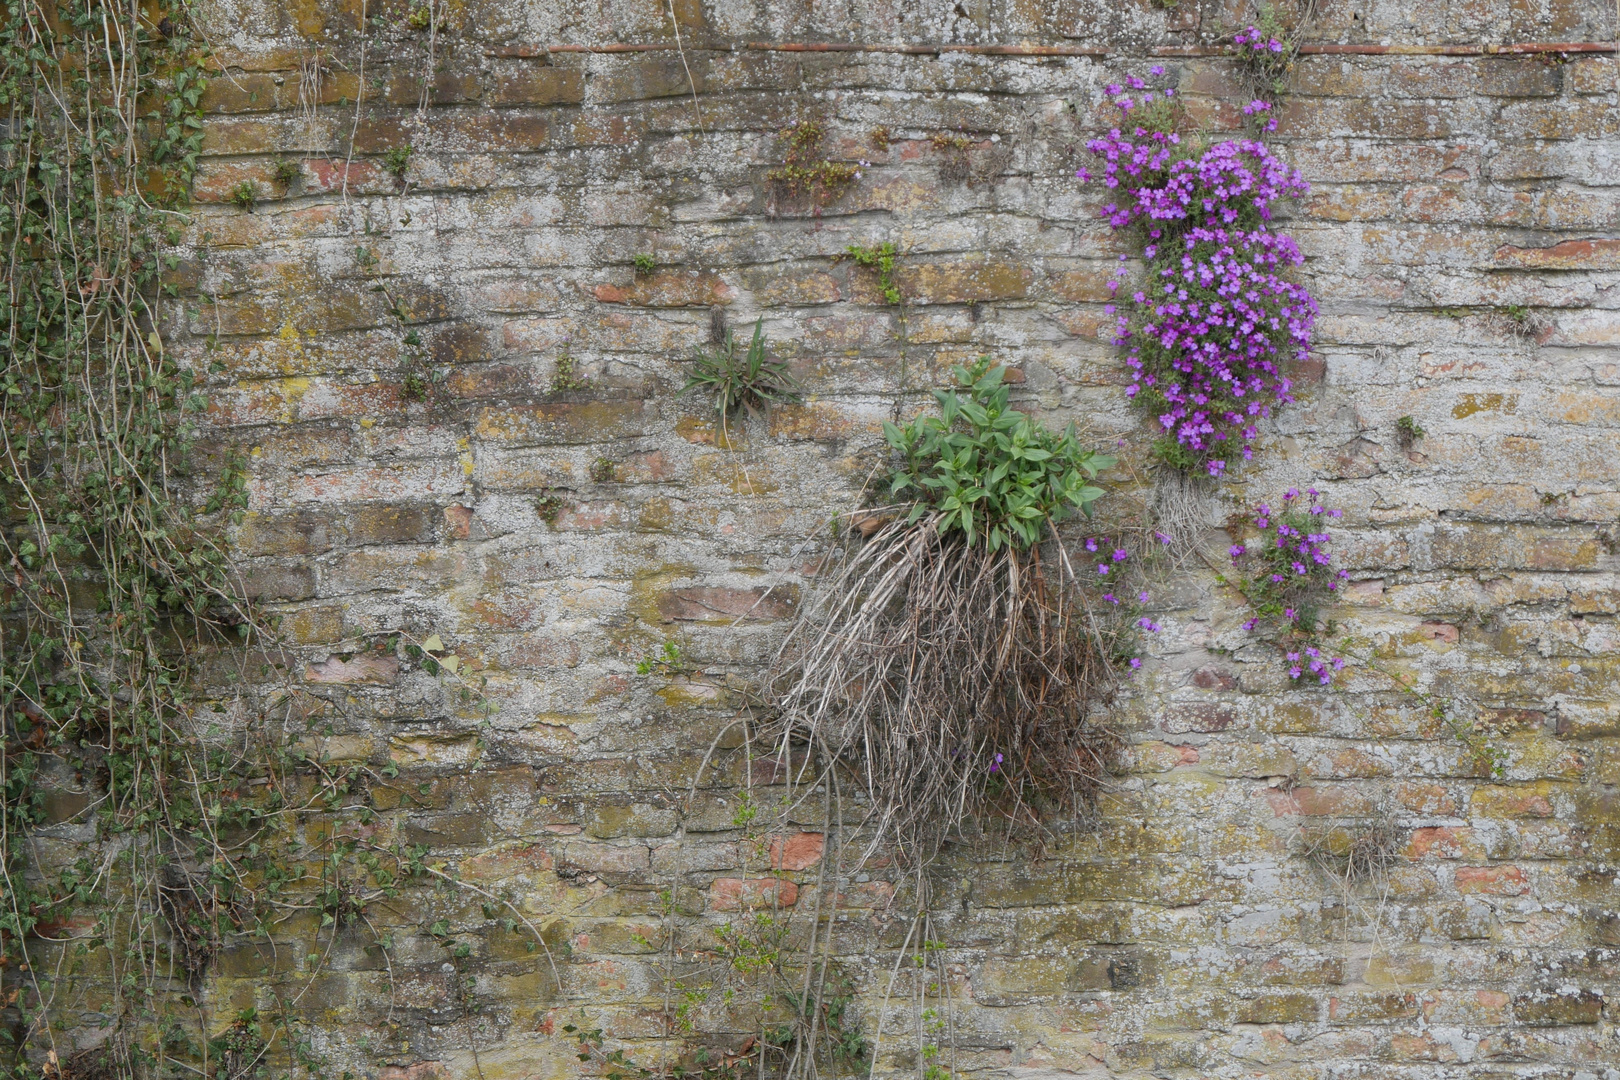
[{"x": 158, "y": 774}]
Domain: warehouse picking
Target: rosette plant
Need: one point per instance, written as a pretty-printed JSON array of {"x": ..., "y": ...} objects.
[{"x": 950, "y": 655}]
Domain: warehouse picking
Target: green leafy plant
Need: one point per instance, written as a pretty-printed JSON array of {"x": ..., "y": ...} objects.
[
  {"x": 244, "y": 196},
  {"x": 990, "y": 471},
  {"x": 286, "y": 172},
  {"x": 420, "y": 18},
  {"x": 602, "y": 470},
  {"x": 879, "y": 259},
  {"x": 550, "y": 504},
  {"x": 564, "y": 376},
  {"x": 645, "y": 264},
  {"x": 665, "y": 661},
  {"x": 397, "y": 160},
  {"x": 1408, "y": 431},
  {"x": 750, "y": 381}
]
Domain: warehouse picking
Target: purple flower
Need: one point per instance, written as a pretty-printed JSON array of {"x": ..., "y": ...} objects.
[
  {"x": 1120, "y": 554},
  {"x": 1091, "y": 544},
  {"x": 1136, "y": 661},
  {"x": 1235, "y": 550}
]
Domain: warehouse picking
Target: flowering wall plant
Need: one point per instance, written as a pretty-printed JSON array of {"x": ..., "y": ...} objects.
[
  {"x": 1286, "y": 574},
  {"x": 1215, "y": 322}
]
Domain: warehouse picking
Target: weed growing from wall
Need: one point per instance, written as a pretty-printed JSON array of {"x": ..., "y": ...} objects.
[
  {"x": 880, "y": 260},
  {"x": 1286, "y": 575},
  {"x": 953, "y": 660},
  {"x": 165, "y": 794},
  {"x": 807, "y": 174},
  {"x": 746, "y": 379}
]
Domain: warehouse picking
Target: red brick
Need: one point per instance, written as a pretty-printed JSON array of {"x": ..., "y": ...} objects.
[
  {"x": 367, "y": 670},
  {"x": 1595, "y": 254},
  {"x": 718, "y": 604},
  {"x": 740, "y": 894},
  {"x": 797, "y": 852},
  {"x": 1492, "y": 880}
]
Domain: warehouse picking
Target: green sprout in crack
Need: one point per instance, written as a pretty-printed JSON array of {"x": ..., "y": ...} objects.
[
  {"x": 397, "y": 160},
  {"x": 880, "y": 259},
  {"x": 244, "y": 195}
]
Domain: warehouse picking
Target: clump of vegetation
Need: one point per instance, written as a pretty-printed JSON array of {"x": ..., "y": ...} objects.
[
  {"x": 880, "y": 138},
  {"x": 1266, "y": 50},
  {"x": 645, "y": 264},
  {"x": 954, "y": 658},
  {"x": 749, "y": 380},
  {"x": 602, "y": 470},
  {"x": 396, "y": 160},
  {"x": 1287, "y": 575},
  {"x": 1408, "y": 431},
  {"x": 420, "y": 18},
  {"x": 665, "y": 661},
  {"x": 1353, "y": 853},
  {"x": 807, "y": 173},
  {"x": 244, "y": 195},
  {"x": 1213, "y": 327},
  {"x": 564, "y": 376},
  {"x": 881, "y": 260},
  {"x": 550, "y": 504},
  {"x": 286, "y": 172}
]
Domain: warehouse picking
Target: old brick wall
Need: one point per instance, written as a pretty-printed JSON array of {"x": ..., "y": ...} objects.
[{"x": 1463, "y": 236}]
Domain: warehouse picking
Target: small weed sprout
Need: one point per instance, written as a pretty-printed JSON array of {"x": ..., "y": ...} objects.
[
  {"x": 245, "y": 196},
  {"x": 807, "y": 172},
  {"x": 397, "y": 160},
  {"x": 665, "y": 661},
  {"x": 880, "y": 259},
  {"x": 645, "y": 264},
  {"x": 550, "y": 504},
  {"x": 749, "y": 381},
  {"x": 1408, "y": 431},
  {"x": 565, "y": 376},
  {"x": 602, "y": 470},
  {"x": 1266, "y": 50},
  {"x": 420, "y": 18},
  {"x": 286, "y": 172},
  {"x": 880, "y": 138}
]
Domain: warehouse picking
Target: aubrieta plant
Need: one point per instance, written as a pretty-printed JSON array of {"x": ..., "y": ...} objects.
[
  {"x": 991, "y": 471},
  {"x": 1211, "y": 331},
  {"x": 1287, "y": 574}
]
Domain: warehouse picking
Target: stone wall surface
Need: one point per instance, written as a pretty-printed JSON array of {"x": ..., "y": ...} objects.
[{"x": 1463, "y": 241}]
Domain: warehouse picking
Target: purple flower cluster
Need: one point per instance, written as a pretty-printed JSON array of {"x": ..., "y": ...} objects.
[
  {"x": 1210, "y": 333},
  {"x": 1287, "y": 574},
  {"x": 1256, "y": 41}
]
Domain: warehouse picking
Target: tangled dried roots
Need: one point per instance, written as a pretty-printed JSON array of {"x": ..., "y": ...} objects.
[
  {"x": 921, "y": 659},
  {"x": 1356, "y": 852}
]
